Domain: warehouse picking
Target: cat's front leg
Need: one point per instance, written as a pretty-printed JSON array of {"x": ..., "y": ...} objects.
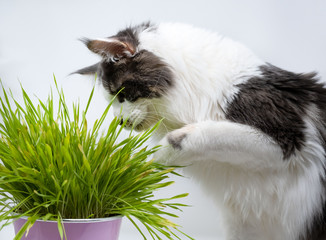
[{"x": 221, "y": 141}]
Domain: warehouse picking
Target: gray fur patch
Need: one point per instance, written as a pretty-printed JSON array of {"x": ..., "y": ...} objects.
[
  {"x": 276, "y": 103},
  {"x": 143, "y": 76},
  {"x": 175, "y": 142}
]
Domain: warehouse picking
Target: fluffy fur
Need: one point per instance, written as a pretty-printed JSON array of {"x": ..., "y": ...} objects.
[{"x": 252, "y": 134}]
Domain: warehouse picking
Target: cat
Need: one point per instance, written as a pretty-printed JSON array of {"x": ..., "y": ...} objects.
[{"x": 251, "y": 133}]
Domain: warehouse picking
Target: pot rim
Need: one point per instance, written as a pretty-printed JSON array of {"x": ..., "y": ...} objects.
[{"x": 79, "y": 220}]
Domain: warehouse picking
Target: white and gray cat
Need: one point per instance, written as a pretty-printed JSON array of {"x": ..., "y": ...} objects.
[{"x": 251, "y": 133}]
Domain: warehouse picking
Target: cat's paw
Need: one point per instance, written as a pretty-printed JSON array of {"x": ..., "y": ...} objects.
[{"x": 174, "y": 148}]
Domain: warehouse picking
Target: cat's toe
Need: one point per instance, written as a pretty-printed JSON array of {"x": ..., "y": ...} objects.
[
  {"x": 174, "y": 147},
  {"x": 165, "y": 154},
  {"x": 175, "y": 139}
]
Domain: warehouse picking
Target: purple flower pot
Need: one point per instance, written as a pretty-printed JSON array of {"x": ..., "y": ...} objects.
[{"x": 76, "y": 229}]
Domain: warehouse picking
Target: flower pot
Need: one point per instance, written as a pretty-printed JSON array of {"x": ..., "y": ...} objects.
[{"x": 76, "y": 229}]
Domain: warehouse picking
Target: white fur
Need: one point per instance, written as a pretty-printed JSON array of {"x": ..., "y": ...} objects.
[
  {"x": 203, "y": 86},
  {"x": 261, "y": 196}
]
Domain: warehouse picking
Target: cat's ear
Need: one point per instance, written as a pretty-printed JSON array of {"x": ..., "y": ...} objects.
[
  {"x": 110, "y": 47},
  {"x": 90, "y": 70}
]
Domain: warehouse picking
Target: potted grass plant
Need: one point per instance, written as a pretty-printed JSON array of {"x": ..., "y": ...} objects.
[{"x": 57, "y": 173}]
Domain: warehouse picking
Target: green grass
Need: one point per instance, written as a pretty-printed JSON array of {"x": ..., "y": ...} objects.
[{"x": 54, "y": 166}]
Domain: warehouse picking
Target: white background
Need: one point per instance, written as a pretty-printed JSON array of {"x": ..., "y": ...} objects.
[{"x": 39, "y": 39}]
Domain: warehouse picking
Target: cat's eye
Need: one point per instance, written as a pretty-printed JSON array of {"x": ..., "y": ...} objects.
[{"x": 115, "y": 59}]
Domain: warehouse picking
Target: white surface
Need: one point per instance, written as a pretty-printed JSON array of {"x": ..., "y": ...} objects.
[{"x": 39, "y": 38}]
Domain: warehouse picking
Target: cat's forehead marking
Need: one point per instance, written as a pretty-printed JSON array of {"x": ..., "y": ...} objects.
[{"x": 143, "y": 76}]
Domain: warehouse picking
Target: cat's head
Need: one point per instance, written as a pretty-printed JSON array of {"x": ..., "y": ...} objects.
[{"x": 137, "y": 75}]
